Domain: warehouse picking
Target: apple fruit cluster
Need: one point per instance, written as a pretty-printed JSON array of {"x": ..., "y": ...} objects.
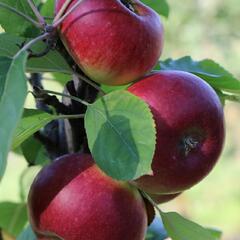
[{"x": 116, "y": 42}]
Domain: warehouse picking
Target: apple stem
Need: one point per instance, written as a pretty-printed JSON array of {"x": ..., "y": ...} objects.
[
  {"x": 151, "y": 201},
  {"x": 40, "y": 18},
  {"x": 59, "y": 18},
  {"x": 62, "y": 10},
  {"x": 29, "y": 19},
  {"x": 43, "y": 100},
  {"x": 32, "y": 42},
  {"x": 85, "y": 79},
  {"x": 72, "y": 116}
]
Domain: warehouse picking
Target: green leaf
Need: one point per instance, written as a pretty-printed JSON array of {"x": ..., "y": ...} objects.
[
  {"x": 215, "y": 233},
  {"x": 61, "y": 78},
  {"x": 121, "y": 135},
  {"x": 34, "y": 152},
  {"x": 32, "y": 121},
  {"x": 48, "y": 9},
  {"x": 13, "y": 91},
  {"x": 180, "y": 228},
  {"x": 208, "y": 70},
  {"x": 15, "y": 24},
  {"x": 52, "y": 62},
  {"x": 26, "y": 180},
  {"x": 27, "y": 234},
  {"x": 108, "y": 89},
  {"x": 160, "y": 6},
  {"x": 13, "y": 217}
]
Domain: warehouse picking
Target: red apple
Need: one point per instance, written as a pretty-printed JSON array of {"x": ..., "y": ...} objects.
[
  {"x": 113, "y": 41},
  {"x": 163, "y": 198},
  {"x": 73, "y": 199},
  {"x": 190, "y": 129}
]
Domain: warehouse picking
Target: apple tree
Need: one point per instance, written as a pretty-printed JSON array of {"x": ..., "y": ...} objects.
[{"x": 127, "y": 131}]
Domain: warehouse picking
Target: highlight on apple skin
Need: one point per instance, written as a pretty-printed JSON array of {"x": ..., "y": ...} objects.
[
  {"x": 73, "y": 199},
  {"x": 114, "y": 42},
  {"x": 190, "y": 130}
]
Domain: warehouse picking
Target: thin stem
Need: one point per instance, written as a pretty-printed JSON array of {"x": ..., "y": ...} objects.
[
  {"x": 85, "y": 79},
  {"x": 41, "y": 20},
  {"x": 35, "y": 23},
  {"x": 32, "y": 42},
  {"x": 74, "y": 116},
  {"x": 151, "y": 201},
  {"x": 68, "y": 96},
  {"x": 57, "y": 22},
  {"x": 62, "y": 10}
]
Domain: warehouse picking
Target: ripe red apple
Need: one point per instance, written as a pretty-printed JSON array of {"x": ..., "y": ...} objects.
[
  {"x": 73, "y": 199},
  {"x": 190, "y": 129},
  {"x": 113, "y": 41},
  {"x": 163, "y": 198}
]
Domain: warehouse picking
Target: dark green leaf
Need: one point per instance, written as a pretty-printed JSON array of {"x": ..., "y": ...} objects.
[
  {"x": 208, "y": 70},
  {"x": 32, "y": 121},
  {"x": 12, "y": 23},
  {"x": 121, "y": 135},
  {"x": 27, "y": 234},
  {"x": 52, "y": 62},
  {"x": 61, "y": 78},
  {"x": 13, "y": 217},
  {"x": 13, "y": 91},
  {"x": 160, "y": 6},
  {"x": 180, "y": 228},
  {"x": 34, "y": 152}
]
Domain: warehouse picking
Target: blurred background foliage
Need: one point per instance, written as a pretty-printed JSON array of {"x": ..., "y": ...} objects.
[{"x": 201, "y": 29}]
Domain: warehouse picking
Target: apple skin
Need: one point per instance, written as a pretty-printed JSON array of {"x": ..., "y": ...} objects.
[
  {"x": 187, "y": 111},
  {"x": 73, "y": 199},
  {"x": 159, "y": 199},
  {"x": 110, "y": 43}
]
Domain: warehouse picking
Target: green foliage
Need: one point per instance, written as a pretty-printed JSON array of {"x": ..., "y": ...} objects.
[
  {"x": 27, "y": 234},
  {"x": 121, "y": 144},
  {"x": 9, "y": 19},
  {"x": 48, "y": 8},
  {"x": 13, "y": 217},
  {"x": 32, "y": 121},
  {"x": 52, "y": 62},
  {"x": 179, "y": 228},
  {"x": 13, "y": 91},
  {"x": 34, "y": 152},
  {"x": 211, "y": 72},
  {"x": 61, "y": 77},
  {"x": 26, "y": 180},
  {"x": 160, "y": 6}
]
